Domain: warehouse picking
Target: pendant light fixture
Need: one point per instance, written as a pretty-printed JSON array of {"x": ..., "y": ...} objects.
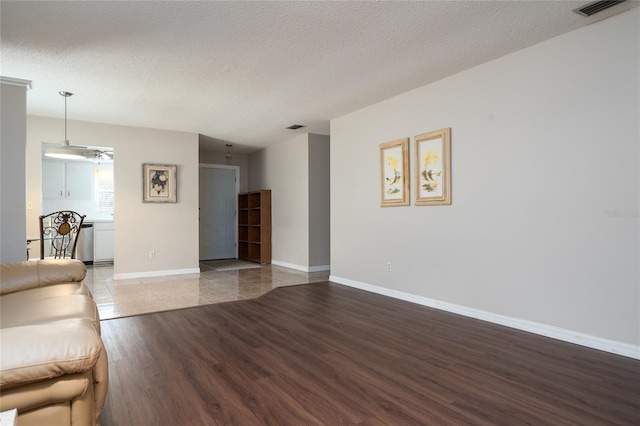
[
  {"x": 65, "y": 151},
  {"x": 228, "y": 156}
]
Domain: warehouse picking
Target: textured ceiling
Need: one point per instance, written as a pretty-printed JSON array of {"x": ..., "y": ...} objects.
[{"x": 240, "y": 72}]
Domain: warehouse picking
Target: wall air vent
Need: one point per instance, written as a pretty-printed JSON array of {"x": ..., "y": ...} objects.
[
  {"x": 596, "y": 6},
  {"x": 295, "y": 126}
]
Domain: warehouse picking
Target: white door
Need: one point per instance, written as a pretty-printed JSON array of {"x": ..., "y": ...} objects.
[{"x": 218, "y": 198}]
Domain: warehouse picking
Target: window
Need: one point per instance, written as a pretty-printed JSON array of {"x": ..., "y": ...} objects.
[{"x": 103, "y": 182}]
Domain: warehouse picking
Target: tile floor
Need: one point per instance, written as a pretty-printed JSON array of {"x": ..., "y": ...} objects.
[{"x": 218, "y": 281}]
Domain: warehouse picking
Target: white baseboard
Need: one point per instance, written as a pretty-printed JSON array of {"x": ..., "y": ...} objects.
[
  {"x": 130, "y": 275},
  {"x": 594, "y": 342},
  {"x": 300, "y": 267}
]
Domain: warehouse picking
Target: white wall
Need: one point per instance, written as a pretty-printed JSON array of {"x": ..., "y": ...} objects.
[
  {"x": 12, "y": 187},
  {"x": 544, "y": 223},
  {"x": 319, "y": 201},
  {"x": 171, "y": 230},
  {"x": 284, "y": 169},
  {"x": 297, "y": 172}
]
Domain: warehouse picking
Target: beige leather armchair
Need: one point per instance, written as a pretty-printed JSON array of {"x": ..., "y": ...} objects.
[{"x": 53, "y": 365}]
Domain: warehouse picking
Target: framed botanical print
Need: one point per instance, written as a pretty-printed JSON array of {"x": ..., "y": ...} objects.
[
  {"x": 433, "y": 168},
  {"x": 394, "y": 173},
  {"x": 159, "y": 183}
]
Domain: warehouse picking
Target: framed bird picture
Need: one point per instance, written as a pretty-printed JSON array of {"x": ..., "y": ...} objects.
[
  {"x": 159, "y": 183},
  {"x": 433, "y": 168},
  {"x": 394, "y": 173}
]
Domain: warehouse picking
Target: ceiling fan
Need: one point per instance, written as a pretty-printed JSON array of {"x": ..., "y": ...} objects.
[{"x": 74, "y": 152}]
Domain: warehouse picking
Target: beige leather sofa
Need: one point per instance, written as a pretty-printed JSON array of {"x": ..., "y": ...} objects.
[{"x": 53, "y": 365}]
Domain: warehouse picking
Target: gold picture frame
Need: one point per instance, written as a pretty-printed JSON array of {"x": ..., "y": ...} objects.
[
  {"x": 394, "y": 173},
  {"x": 433, "y": 168},
  {"x": 159, "y": 184}
]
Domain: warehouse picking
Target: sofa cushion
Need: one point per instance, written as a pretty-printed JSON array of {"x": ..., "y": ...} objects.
[
  {"x": 18, "y": 311},
  {"x": 43, "y": 351},
  {"x": 25, "y": 275},
  {"x": 56, "y": 290}
]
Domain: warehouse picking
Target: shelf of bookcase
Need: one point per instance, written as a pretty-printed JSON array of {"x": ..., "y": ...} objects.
[{"x": 254, "y": 226}]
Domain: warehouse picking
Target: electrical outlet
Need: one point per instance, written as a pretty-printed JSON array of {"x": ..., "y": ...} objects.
[
  {"x": 152, "y": 254},
  {"x": 388, "y": 266}
]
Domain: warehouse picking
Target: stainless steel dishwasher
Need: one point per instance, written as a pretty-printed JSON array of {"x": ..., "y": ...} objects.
[{"x": 84, "y": 246}]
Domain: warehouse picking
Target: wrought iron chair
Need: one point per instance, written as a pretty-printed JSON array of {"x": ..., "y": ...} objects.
[{"x": 61, "y": 230}]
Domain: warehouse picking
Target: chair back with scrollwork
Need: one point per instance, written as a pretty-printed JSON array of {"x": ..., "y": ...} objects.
[{"x": 59, "y": 231}]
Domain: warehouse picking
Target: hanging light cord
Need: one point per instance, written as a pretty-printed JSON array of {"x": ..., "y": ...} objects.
[
  {"x": 65, "y": 118},
  {"x": 65, "y": 95}
]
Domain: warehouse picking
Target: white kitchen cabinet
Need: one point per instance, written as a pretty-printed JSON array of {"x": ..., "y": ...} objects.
[
  {"x": 67, "y": 179},
  {"x": 79, "y": 180},
  {"x": 53, "y": 179},
  {"x": 102, "y": 241}
]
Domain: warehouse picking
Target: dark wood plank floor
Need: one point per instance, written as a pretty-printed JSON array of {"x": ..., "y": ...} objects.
[{"x": 328, "y": 354}]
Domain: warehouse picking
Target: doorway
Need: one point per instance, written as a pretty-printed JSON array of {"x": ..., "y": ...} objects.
[
  {"x": 84, "y": 184},
  {"x": 218, "y": 197}
]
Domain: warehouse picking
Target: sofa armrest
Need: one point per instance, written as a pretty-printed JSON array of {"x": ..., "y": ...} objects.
[
  {"x": 101, "y": 381},
  {"x": 36, "y": 352},
  {"x": 19, "y": 276},
  {"x": 45, "y": 392}
]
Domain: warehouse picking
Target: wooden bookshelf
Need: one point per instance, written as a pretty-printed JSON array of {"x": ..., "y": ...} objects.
[{"x": 254, "y": 226}]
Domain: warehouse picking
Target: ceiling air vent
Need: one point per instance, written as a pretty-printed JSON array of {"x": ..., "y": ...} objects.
[
  {"x": 295, "y": 126},
  {"x": 596, "y": 6}
]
